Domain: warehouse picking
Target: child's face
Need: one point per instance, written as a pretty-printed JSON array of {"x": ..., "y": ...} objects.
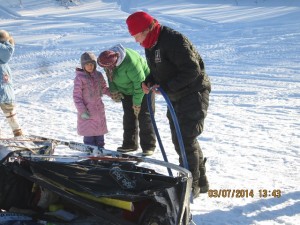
[{"x": 89, "y": 67}]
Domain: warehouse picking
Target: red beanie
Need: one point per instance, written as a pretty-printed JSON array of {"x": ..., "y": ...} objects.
[
  {"x": 107, "y": 59},
  {"x": 138, "y": 22}
]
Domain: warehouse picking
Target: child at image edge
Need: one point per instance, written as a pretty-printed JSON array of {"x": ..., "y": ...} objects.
[
  {"x": 7, "y": 95},
  {"x": 89, "y": 87}
]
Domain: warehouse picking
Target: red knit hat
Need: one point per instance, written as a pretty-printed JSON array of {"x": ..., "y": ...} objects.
[
  {"x": 108, "y": 59},
  {"x": 138, "y": 22}
]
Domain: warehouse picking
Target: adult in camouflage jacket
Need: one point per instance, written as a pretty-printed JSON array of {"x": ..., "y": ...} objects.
[{"x": 176, "y": 67}]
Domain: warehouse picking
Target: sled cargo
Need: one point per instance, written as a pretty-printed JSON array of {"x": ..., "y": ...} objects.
[{"x": 89, "y": 186}]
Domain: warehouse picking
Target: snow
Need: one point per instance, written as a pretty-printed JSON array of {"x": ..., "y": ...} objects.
[{"x": 251, "y": 49}]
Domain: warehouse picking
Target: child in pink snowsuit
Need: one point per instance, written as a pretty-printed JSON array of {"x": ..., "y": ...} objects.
[{"x": 89, "y": 86}]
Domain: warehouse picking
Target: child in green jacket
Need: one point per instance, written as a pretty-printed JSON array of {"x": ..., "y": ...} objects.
[{"x": 125, "y": 70}]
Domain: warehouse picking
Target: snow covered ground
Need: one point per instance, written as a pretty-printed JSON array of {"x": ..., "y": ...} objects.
[{"x": 252, "y": 53}]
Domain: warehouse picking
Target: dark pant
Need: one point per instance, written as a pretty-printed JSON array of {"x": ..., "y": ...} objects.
[
  {"x": 94, "y": 140},
  {"x": 191, "y": 111},
  {"x": 131, "y": 124}
]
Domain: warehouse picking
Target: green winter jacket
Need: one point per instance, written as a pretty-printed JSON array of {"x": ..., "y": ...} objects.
[{"x": 128, "y": 76}]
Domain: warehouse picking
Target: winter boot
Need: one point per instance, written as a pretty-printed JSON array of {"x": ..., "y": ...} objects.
[
  {"x": 203, "y": 182},
  {"x": 148, "y": 152},
  {"x": 127, "y": 149},
  {"x": 195, "y": 189},
  {"x": 13, "y": 123},
  {"x": 18, "y": 132}
]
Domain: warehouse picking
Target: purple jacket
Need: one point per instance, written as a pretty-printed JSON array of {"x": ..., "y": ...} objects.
[{"x": 87, "y": 96}]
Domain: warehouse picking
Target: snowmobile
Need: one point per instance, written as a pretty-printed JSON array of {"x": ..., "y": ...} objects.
[
  {"x": 106, "y": 184},
  {"x": 95, "y": 186}
]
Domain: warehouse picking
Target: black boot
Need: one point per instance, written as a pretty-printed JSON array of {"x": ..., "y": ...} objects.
[
  {"x": 196, "y": 192},
  {"x": 127, "y": 148},
  {"x": 195, "y": 189},
  {"x": 203, "y": 182}
]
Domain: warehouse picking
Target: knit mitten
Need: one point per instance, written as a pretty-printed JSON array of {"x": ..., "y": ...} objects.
[
  {"x": 117, "y": 96},
  {"x": 85, "y": 115}
]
